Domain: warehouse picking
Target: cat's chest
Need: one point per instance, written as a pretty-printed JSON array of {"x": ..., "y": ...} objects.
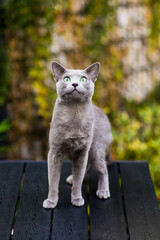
[
  {"x": 71, "y": 145},
  {"x": 73, "y": 134},
  {"x": 76, "y": 129},
  {"x": 73, "y": 137},
  {"x": 71, "y": 128}
]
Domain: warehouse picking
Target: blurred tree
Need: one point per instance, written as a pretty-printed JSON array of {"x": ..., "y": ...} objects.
[
  {"x": 3, "y": 53},
  {"x": 4, "y": 123},
  {"x": 136, "y": 124},
  {"x": 154, "y": 23},
  {"x": 29, "y": 29},
  {"x": 137, "y": 134}
]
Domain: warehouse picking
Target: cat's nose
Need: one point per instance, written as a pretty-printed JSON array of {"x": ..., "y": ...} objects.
[{"x": 75, "y": 85}]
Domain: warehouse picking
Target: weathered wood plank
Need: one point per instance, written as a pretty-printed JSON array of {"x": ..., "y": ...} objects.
[
  {"x": 107, "y": 221},
  {"x": 33, "y": 221},
  {"x": 69, "y": 222},
  {"x": 141, "y": 205},
  {"x": 10, "y": 180}
]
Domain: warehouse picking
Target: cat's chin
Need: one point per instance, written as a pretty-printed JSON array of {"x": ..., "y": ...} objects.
[{"x": 74, "y": 96}]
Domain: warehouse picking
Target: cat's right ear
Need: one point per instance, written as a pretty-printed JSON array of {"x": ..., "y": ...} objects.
[{"x": 57, "y": 70}]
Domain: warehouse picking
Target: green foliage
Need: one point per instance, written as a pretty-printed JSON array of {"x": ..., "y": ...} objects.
[
  {"x": 4, "y": 73},
  {"x": 100, "y": 23},
  {"x": 155, "y": 22},
  {"x": 4, "y": 76},
  {"x": 4, "y": 127},
  {"x": 3, "y": 55},
  {"x": 30, "y": 29},
  {"x": 27, "y": 36},
  {"x": 137, "y": 136}
]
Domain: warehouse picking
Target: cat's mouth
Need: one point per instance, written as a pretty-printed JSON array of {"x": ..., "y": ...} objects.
[{"x": 75, "y": 90}]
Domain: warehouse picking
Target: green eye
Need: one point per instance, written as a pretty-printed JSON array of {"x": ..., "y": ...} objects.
[
  {"x": 67, "y": 79},
  {"x": 83, "y": 79}
]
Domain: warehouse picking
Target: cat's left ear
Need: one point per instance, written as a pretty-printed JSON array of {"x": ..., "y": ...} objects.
[{"x": 93, "y": 71}]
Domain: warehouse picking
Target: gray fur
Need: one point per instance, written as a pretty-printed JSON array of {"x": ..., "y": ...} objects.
[{"x": 80, "y": 131}]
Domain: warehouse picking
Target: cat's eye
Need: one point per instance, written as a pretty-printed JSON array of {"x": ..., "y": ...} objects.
[
  {"x": 67, "y": 79},
  {"x": 83, "y": 80}
]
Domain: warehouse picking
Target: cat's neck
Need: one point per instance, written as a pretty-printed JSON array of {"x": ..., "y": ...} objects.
[
  {"x": 74, "y": 110},
  {"x": 73, "y": 104}
]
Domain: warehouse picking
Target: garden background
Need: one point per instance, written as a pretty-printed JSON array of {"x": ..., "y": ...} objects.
[{"x": 124, "y": 36}]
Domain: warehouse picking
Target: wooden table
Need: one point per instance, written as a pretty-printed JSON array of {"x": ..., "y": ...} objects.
[{"x": 131, "y": 213}]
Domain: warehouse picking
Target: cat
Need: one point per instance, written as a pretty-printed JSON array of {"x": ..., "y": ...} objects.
[{"x": 79, "y": 131}]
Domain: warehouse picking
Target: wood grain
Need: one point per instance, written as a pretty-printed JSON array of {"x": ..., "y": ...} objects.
[
  {"x": 107, "y": 221},
  {"x": 107, "y": 216},
  {"x": 33, "y": 221},
  {"x": 10, "y": 179},
  {"x": 69, "y": 222},
  {"x": 143, "y": 214}
]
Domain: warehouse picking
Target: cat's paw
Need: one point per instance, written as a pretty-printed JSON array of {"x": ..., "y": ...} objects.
[
  {"x": 103, "y": 194},
  {"x": 78, "y": 202},
  {"x": 49, "y": 204},
  {"x": 69, "y": 179}
]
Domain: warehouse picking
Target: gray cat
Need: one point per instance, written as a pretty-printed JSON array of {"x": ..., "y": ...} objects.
[{"x": 80, "y": 131}]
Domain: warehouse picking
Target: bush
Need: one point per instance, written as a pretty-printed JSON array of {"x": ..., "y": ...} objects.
[{"x": 137, "y": 137}]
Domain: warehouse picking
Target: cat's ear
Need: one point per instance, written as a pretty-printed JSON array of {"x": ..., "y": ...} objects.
[
  {"x": 93, "y": 71},
  {"x": 58, "y": 70}
]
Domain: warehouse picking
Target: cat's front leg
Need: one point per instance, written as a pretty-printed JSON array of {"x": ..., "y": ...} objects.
[
  {"x": 54, "y": 169},
  {"x": 78, "y": 172}
]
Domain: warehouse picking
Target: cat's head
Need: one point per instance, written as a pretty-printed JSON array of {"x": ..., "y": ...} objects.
[{"x": 75, "y": 85}]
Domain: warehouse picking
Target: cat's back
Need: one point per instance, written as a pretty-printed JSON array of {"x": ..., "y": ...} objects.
[{"x": 102, "y": 127}]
